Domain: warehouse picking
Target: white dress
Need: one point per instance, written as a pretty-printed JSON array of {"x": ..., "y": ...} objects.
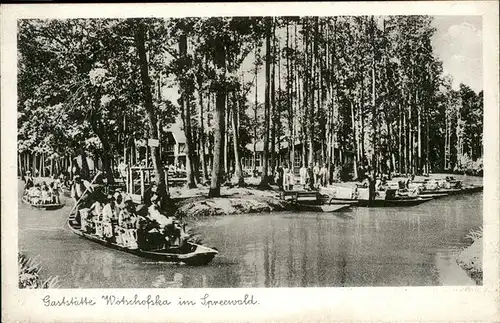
[
  {"x": 154, "y": 214},
  {"x": 303, "y": 176}
]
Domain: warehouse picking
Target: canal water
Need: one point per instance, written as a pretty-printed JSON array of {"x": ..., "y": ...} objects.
[{"x": 414, "y": 246}]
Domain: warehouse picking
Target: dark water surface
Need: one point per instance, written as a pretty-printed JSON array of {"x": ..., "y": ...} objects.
[{"x": 414, "y": 246}]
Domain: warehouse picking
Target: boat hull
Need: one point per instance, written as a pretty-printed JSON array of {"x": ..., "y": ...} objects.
[
  {"x": 322, "y": 208},
  {"x": 193, "y": 255},
  {"x": 47, "y": 207},
  {"x": 453, "y": 191},
  {"x": 393, "y": 203}
]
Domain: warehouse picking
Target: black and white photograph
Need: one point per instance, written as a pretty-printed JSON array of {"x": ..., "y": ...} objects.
[{"x": 250, "y": 151}]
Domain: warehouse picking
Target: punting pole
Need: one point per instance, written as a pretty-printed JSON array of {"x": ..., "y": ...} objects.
[{"x": 86, "y": 189}]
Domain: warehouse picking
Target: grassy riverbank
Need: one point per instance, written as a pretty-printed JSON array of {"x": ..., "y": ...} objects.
[
  {"x": 234, "y": 200},
  {"x": 471, "y": 258}
]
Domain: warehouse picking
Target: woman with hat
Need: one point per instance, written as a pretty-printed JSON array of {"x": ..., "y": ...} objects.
[
  {"x": 127, "y": 224},
  {"x": 108, "y": 217}
]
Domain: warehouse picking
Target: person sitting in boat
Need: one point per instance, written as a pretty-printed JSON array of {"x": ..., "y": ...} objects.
[
  {"x": 95, "y": 212},
  {"x": 45, "y": 196},
  {"x": 119, "y": 200},
  {"x": 109, "y": 218},
  {"x": 127, "y": 225},
  {"x": 34, "y": 194},
  {"x": 168, "y": 225},
  {"x": 155, "y": 214},
  {"x": 148, "y": 234}
]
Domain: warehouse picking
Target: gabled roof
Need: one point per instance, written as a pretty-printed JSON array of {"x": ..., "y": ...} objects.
[
  {"x": 259, "y": 146},
  {"x": 177, "y": 131}
]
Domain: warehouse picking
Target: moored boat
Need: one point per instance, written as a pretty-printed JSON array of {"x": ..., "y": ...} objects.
[
  {"x": 322, "y": 208},
  {"x": 452, "y": 191},
  {"x": 435, "y": 195},
  {"x": 190, "y": 253},
  {"x": 394, "y": 202},
  {"x": 42, "y": 206}
]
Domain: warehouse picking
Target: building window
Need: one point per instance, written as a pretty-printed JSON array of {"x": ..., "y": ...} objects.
[
  {"x": 257, "y": 160},
  {"x": 298, "y": 160}
]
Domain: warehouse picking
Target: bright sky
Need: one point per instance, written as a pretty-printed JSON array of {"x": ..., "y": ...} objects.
[{"x": 458, "y": 43}]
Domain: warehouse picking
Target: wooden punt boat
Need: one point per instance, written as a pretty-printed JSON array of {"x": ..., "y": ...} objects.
[
  {"x": 394, "y": 202},
  {"x": 472, "y": 189},
  {"x": 453, "y": 191},
  {"x": 327, "y": 200},
  {"x": 41, "y": 206},
  {"x": 322, "y": 208},
  {"x": 435, "y": 195},
  {"x": 190, "y": 254}
]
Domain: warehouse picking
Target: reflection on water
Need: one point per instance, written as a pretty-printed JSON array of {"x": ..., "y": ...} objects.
[{"x": 372, "y": 247}]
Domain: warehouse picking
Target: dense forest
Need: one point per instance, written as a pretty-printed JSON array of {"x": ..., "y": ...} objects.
[{"x": 366, "y": 87}]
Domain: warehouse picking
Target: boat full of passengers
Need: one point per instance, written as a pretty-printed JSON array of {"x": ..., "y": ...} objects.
[{"x": 116, "y": 221}]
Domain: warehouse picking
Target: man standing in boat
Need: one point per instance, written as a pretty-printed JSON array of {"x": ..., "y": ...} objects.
[
  {"x": 80, "y": 190},
  {"x": 29, "y": 183}
]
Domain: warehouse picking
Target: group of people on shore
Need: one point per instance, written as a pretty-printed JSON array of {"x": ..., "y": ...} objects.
[{"x": 310, "y": 178}]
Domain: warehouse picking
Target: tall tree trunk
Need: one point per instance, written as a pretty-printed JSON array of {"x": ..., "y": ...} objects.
[
  {"x": 186, "y": 118},
  {"x": 264, "y": 179},
  {"x": 400, "y": 153},
  {"x": 219, "y": 121},
  {"x": 374, "y": 108},
  {"x": 289, "y": 98},
  {"x": 278, "y": 110},
  {"x": 226, "y": 136},
  {"x": 256, "y": 121},
  {"x": 445, "y": 164},
  {"x": 354, "y": 140},
  {"x": 419, "y": 141},
  {"x": 296, "y": 81},
  {"x": 238, "y": 171},
  {"x": 312, "y": 89},
  {"x": 362, "y": 119},
  {"x": 202, "y": 136},
  {"x": 272, "y": 111},
  {"x": 148, "y": 105},
  {"x": 405, "y": 142},
  {"x": 427, "y": 158}
]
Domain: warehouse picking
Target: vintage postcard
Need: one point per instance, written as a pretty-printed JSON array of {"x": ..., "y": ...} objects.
[{"x": 250, "y": 162}]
